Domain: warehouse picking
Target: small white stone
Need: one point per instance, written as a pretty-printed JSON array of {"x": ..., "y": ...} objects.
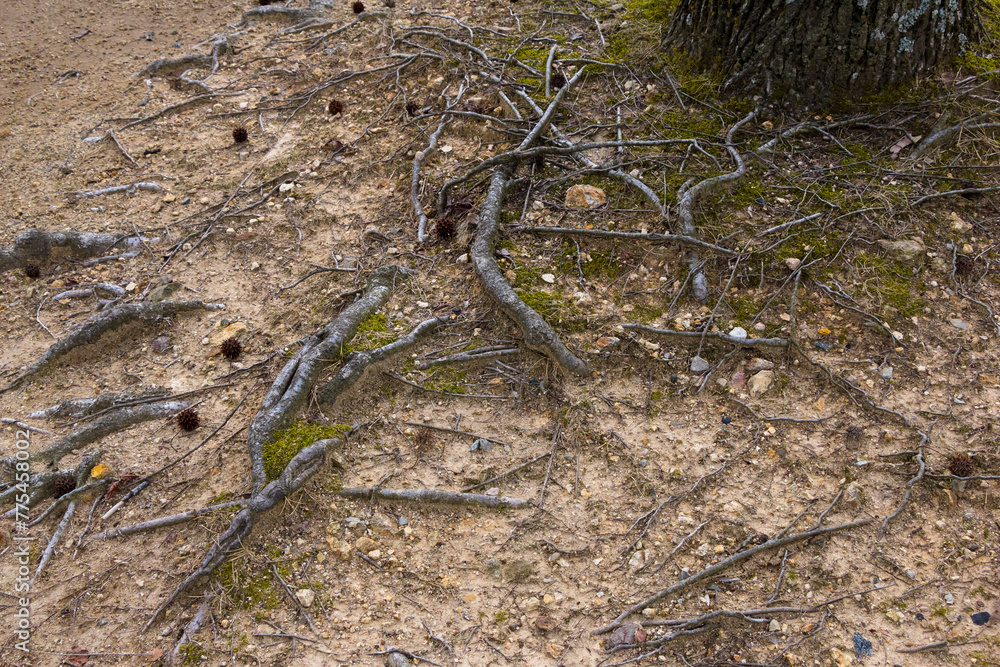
[
  {"x": 305, "y": 596},
  {"x": 738, "y": 333},
  {"x": 422, "y": 304},
  {"x": 446, "y": 149},
  {"x": 130, "y": 287},
  {"x": 793, "y": 262},
  {"x": 549, "y": 278},
  {"x": 462, "y": 259},
  {"x": 254, "y": 266},
  {"x": 285, "y": 187}
]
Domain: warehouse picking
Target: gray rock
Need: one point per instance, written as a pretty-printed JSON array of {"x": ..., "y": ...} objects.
[
  {"x": 959, "y": 324},
  {"x": 949, "y": 598},
  {"x": 161, "y": 343},
  {"x": 911, "y": 251},
  {"x": 164, "y": 292},
  {"x": 355, "y": 524},
  {"x": 306, "y": 597},
  {"x": 699, "y": 365},
  {"x": 774, "y": 625},
  {"x": 886, "y": 372},
  {"x": 738, "y": 333},
  {"x": 403, "y": 521},
  {"x": 481, "y": 445},
  {"x": 395, "y": 659}
]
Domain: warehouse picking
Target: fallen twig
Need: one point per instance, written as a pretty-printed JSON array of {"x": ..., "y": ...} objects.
[
  {"x": 722, "y": 565},
  {"x": 434, "y": 496}
]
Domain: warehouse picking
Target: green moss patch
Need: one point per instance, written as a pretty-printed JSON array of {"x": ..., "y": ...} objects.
[{"x": 286, "y": 444}]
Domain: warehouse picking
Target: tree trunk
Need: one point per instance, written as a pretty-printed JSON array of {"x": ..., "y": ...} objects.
[{"x": 807, "y": 52}]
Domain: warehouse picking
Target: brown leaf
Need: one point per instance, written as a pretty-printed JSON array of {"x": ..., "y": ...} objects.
[
  {"x": 153, "y": 656},
  {"x": 78, "y": 657}
]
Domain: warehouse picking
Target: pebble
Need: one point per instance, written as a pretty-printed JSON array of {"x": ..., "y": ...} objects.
[
  {"x": 549, "y": 278},
  {"x": 981, "y": 617},
  {"x": 422, "y": 304},
  {"x": 758, "y": 364},
  {"x": 792, "y": 262},
  {"x": 739, "y": 333},
  {"x": 958, "y": 324},
  {"x": 862, "y": 646},
  {"x": 699, "y": 365},
  {"x": 306, "y": 597},
  {"x": 397, "y": 660},
  {"x": 774, "y": 625},
  {"x": 886, "y": 372},
  {"x": 463, "y": 258},
  {"x": 403, "y": 521},
  {"x": 481, "y": 445},
  {"x": 949, "y": 598}
]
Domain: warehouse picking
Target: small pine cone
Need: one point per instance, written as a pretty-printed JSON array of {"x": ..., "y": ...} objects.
[
  {"x": 231, "y": 348},
  {"x": 240, "y": 134},
  {"x": 358, "y": 7},
  {"x": 854, "y": 434},
  {"x": 63, "y": 485},
  {"x": 32, "y": 271},
  {"x": 960, "y": 465},
  {"x": 334, "y": 107},
  {"x": 188, "y": 420},
  {"x": 445, "y": 228},
  {"x": 557, "y": 81},
  {"x": 423, "y": 440}
]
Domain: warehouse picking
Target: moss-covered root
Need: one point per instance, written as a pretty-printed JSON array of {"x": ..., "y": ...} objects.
[
  {"x": 688, "y": 197},
  {"x": 298, "y": 471},
  {"x": 538, "y": 335},
  {"x": 291, "y": 389},
  {"x": 147, "y": 313}
]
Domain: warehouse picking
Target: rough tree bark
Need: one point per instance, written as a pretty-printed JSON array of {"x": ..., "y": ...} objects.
[{"x": 805, "y": 52}]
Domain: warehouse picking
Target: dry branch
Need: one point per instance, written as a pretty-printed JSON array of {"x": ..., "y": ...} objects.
[
  {"x": 723, "y": 565},
  {"x": 34, "y": 244},
  {"x": 146, "y": 313},
  {"x": 432, "y": 496},
  {"x": 418, "y": 162}
]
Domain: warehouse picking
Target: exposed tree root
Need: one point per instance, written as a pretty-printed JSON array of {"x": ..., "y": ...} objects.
[
  {"x": 203, "y": 613},
  {"x": 302, "y": 466},
  {"x": 356, "y": 362},
  {"x": 147, "y": 313},
  {"x": 722, "y": 565},
  {"x": 88, "y": 406},
  {"x": 289, "y": 392},
  {"x": 278, "y": 13},
  {"x": 34, "y": 244},
  {"x": 924, "y": 441},
  {"x": 688, "y": 196},
  {"x": 418, "y": 161},
  {"x": 220, "y": 47},
  {"x": 102, "y": 427},
  {"x": 538, "y": 335},
  {"x": 292, "y": 387},
  {"x": 433, "y": 496},
  {"x": 654, "y": 239},
  {"x": 709, "y": 335}
]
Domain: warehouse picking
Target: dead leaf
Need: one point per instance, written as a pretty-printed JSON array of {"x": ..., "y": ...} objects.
[
  {"x": 78, "y": 657},
  {"x": 153, "y": 656}
]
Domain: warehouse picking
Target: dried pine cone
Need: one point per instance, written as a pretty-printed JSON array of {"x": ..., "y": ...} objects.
[
  {"x": 423, "y": 440},
  {"x": 231, "y": 348},
  {"x": 412, "y": 108},
  {"x": 445, "y": 228},
  {"x": 188, "y": 419},
  {"x": 63, "y": 485},
  {"x": 960, "y": 465},
  {"x": 240, "y": 134},
  {"x": 557, "y": 81},
  {"x": 32, "y": 270},
  {"x": 358, "y": 7},
  {"x": 854, "y": 434},
  {"x": 334, "y": 107}
]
